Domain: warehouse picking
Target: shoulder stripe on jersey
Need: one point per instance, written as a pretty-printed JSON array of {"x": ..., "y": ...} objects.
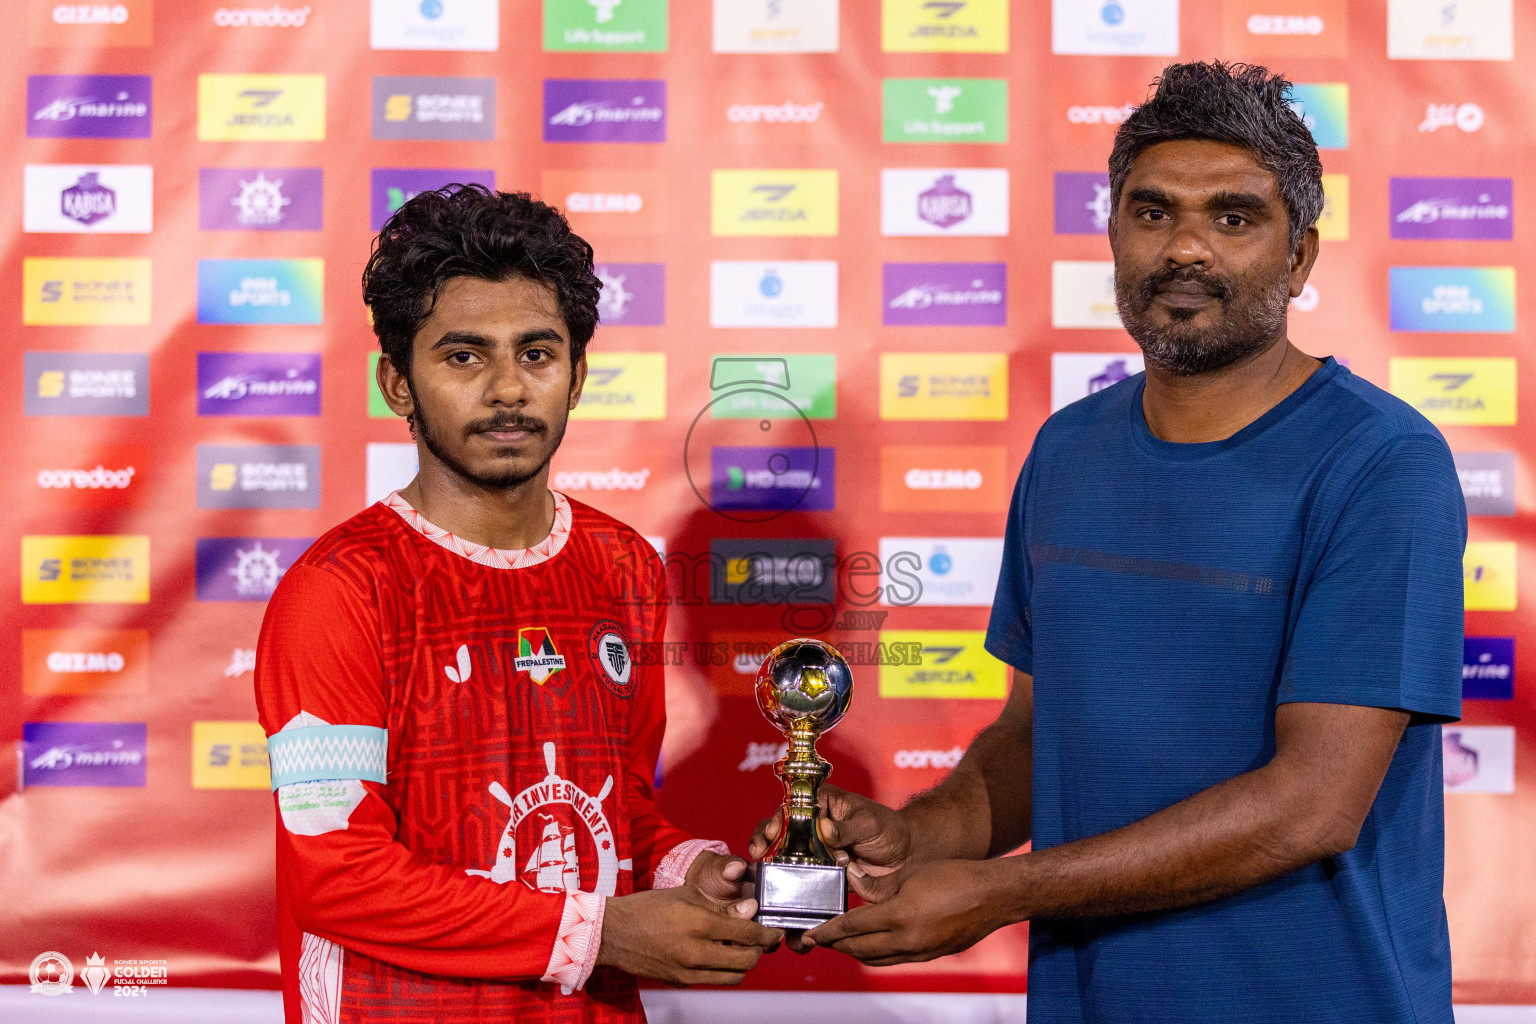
[{"x": 326, "y": 753}]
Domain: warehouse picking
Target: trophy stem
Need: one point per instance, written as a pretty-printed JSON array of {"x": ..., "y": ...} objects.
[{"x": 802, "y": 771}]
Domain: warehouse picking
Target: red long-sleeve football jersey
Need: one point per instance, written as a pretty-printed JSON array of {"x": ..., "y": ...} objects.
[{"x": 463, "y": 742}]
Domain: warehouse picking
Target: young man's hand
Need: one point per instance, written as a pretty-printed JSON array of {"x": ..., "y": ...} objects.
[
  {"x": 868, "y": 837},
  {"x": 723, "y": 879},
  {"x": 682, "y": 937}
]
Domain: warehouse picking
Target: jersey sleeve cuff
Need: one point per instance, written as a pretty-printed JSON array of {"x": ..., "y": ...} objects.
[
  {"x": 577, "y": 941},
  {"x": 673, "y": 869}
]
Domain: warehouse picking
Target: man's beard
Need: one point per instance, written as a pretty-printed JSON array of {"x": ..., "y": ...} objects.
[
  {"x": 1180, "y": 349},
  {"x": 501, "y": 480}
]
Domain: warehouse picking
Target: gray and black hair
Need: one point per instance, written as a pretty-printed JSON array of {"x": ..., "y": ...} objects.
[{"x": 1241, "y": 104}]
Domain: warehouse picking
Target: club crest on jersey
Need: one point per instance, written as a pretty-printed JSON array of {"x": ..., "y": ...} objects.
[
  {"x": 611, "y": 657},
  {"x": 536, "y": 654}
]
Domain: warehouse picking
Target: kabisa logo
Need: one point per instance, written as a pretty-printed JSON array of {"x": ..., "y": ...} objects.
[
  {"x": 1446, "y": 299},
  {"x": 260, "y": 291},
  {"x": 614, "y": 479},
  {"x": 392, "y": 187},
  {"x": 944, "y": 386},
  {"x": 434, "y": 25},
  {"x": 86, "y": 384},
  {"x": 244, "y": 568},
  {"x": 787, "y": 293},
  {"x": 633, "y": 295},
  {"x": 258, "y": 476},
  {"x": 536, "y": 654},
  {"x": 768, "y": 478},
  {"x": 605, "y": 110},
  {"x": 605, "y": 25},
  {"x": 1466, "y": 116},
  {"x": 945, "y": 204},
  {"x": 258, "y": 384},
  {"x": 1076, "y": 375},
  {"x": 789, "y": 202},
  {"x": 1147, "y": 27},
  {"x": 954, "y": 665},
  {"x": 788, "y": 112},
  {"x": 945, "y": 109},
  {"x": 60, "y": 291},
  {"x": 1457, "y": 391},
  {"x": 441, "y": 109},
  {"x": 1488, "y": 668},
  {"x": 1463, "y": 208},
  {"x": 276, "y": 16},
  {"x": 942, "y": 478},
  {"x": 1082, "y": 202},
  {"x": 260, "y": 198},
  {"x": 261, "y": 108},
  {"x": 950, "y": 26},
  {"x": 624, "y": 386},
  {"x": 1487, "y": 482},
  {"x": 943, "y": 201},
  {"x": 88, "y": 107},
  {"x": 89, "y": 198},
  {"x": 84, "y": 753},
  {"x": 952, "y": 294}
]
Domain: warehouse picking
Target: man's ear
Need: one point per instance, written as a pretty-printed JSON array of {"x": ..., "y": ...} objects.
[
  {"x": 1302, "y": 260},
  {"x": 394, "y": 387},
  {"x": 578, "y": 379}
]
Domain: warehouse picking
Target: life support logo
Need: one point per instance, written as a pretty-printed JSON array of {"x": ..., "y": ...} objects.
[{"x": 610, "y": 655}]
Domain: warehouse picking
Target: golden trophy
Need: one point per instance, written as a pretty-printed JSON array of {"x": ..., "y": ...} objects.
[{"x": 804, "y": 687}]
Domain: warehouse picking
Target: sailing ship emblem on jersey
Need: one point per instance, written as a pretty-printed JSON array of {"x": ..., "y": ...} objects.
[
  {"x": 611, "y": 657},
  {"x": 536, "y": 654},
  {"x": 553, "y": 810}
]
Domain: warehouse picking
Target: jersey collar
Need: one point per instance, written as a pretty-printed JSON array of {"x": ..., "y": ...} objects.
[{"x": 496, "y": 558}]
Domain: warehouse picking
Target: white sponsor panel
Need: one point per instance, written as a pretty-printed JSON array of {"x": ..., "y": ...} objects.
[
  {"x": 1440, "y": 30},
  {"x": 943, "y": 201},
  {"x": 1478, "y": 758},
  {"x": 97, "y": 199},
  {"x": 780, "y": 293},
  {"x": 775, "y": 26},
  {"x": 434, "y": 25},
  {"x": 390, "y": 467},
  {"x": 940, "y": 571},
  {"x": 1076, "y": 375},
  {"x": 1147, "y": 27},
  {"x": 1083, "y": 294}
]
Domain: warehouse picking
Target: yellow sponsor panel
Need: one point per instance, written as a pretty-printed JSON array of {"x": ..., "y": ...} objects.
[
  {"x": 1333, "y": 225},
  {"x": 1457, "y": 391},
  {"x": 229, "y": 755},
  {"x": 954, "y": 664},
  {"x": 1489, "y": 575},
  {"x": 624, "y": 386},
  {"x": 945, "y": 26},
  {"x": 261, "y": 108},
  {"x": 58, "y": 291},
  {"x": 104, "y": 569},
  {"x": 772, "y": 202},
  {"x": 944, "y": 386}
]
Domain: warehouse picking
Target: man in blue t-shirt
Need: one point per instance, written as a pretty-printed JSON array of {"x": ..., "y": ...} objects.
[{"x": 1232, "y": 597}]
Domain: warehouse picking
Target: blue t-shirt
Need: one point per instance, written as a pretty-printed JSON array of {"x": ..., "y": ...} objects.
[{"x": 1167, "y": 597}]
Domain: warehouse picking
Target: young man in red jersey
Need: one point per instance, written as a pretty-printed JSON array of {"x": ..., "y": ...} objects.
[{"x": 462, "y": 738}]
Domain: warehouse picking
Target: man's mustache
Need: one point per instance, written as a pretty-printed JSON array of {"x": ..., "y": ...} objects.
[
  {"x": 507, "y": 422},
  {"x": 1217, "y": 285}
]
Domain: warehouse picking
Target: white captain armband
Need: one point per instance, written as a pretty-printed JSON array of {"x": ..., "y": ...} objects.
[{"x": 318, "y": 771}]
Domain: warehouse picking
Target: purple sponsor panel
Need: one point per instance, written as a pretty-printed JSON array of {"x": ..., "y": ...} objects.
[
  {"x": 773, "y": 477},
  {"x": 258, "y": 384},
  {"x": 1461, "y": 208},
  {"x": 84, "y": 753},
  {"x": 244, "y": 568},
  {"x": 605, "y": 110},
  {"x": 1488, "y": 668},
  {"x": 260, "y": 198},
  {"x": 1082, "y": 202},
  {"x": 88, "y": 107},
  {"x": 393, "y": 186},
  {"x": 948, "y": 294},
  {"x": 633, "y": 295}
]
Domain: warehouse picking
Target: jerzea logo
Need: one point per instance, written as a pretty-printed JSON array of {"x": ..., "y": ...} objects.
[
  {"x": 244, "y": 568},
  {"x": 624, "y": 386},
  {"x": 633, "y": 295},
  {"x": 86, "y": 384},
  {"x": 434, "y": 25},
  {"x": 787, "y": 293},
  {"x": 536, "y": 654},
  {"x": 1324, "y": 109},
  {"x": 84, "y": 753},
  {"x": 1447, "y": 299},
  {"x": 810, "y": 386},
  {"x": 773, "y": 571},
  {"x": 260, "y": 198},
  {"x": 261, "y": 108},
  {"x": 260, "y": 291},
  {"x": 943, "y": 386},
  {"x": 230, "y": 755},
  {"x": 943, "y": 201},
  {"x": 605, "y": 110},
  {"x": 938, "y": 478},
  {"x": 97, "y": 569},
  {"x": 951, "y": 294},
  {"x": 1147, "y": 27},
  {"x": 1442, "y": 30},
  {"x": 1480, "y": 208},
  {"x": 944, "y": 26},
  {"x": 954, "y": 665},
  {"x": 1082, "y": 202},
  {"x": 598, "y": 25},
  {"x": 776, "y": 26},
  {"x": 60, "y": 291},
  {"x": 258, "y": 476},
  {"x": 945, "y": 109},
  {"x": 1487, "y": 482},
  {"x": 1488, "y": 668},
  {"x": 940, "y": 571},
  {"x": 774, "y": 203},
  {"x": 443, "y": 109},
  {"x": 1457, "y": 391},
  {"x": 258, "y": 384},
  {"x": 1083, "y": 294},
  {"x": 99, "y": 199},
  {"x": 1488, "y": 571},
  {"x": 772, "y": 478},
  {"x": 84, "y": 661},
  {"x": 1076, "y": 375},
  {"x": 393, "y": 187},
  {"x": 88, "y": 107}
]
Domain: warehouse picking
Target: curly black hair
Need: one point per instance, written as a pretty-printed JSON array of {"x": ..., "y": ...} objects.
[
  {"x": 471, "y": 231},
  {"x": 1242, "y": 104}
]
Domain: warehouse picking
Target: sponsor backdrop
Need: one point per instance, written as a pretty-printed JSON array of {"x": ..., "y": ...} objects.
[{"x": 852, "y": 256}]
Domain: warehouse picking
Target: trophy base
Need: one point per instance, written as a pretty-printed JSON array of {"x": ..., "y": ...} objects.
[{"x": 798, "y": 897}]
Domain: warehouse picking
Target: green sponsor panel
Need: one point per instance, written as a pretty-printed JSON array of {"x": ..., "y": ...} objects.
[
  {"x": 812, "y": 388},
  {"x": 605, "y": 25},
  {"x": 377, "y": 407},
  {"x": 946, "y": 110}
]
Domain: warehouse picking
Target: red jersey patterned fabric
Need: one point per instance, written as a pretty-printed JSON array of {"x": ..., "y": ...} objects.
[{"x": 517, "y": 735}]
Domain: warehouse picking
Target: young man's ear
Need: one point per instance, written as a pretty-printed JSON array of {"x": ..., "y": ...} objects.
[
  {"x": 578, "y": 378},
  {"x": 394, "y": 387}
]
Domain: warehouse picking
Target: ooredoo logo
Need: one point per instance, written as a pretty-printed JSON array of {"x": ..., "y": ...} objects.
[
  {"x": 276, "y": 16},
  {"x": 100, "y": 478},
  {"x": 614, "y": 479},
  {"x": 787, "y": 112}
]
